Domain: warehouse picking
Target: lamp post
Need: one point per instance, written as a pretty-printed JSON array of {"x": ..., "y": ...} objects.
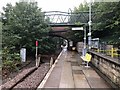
[
  {"x": 90, "y": 23},
  {"x": 84, "y": 38}
]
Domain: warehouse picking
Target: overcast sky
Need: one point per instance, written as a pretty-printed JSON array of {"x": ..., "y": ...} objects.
[{"x": 49, "y": 5}]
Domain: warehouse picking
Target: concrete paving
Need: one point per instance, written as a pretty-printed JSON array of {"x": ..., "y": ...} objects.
[{"x": 70, "y": 73}]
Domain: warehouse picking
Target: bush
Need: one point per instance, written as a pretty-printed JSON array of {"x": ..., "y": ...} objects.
[
  {"x": 10, "y": 60},
  {"x": 9, "y": 65}
]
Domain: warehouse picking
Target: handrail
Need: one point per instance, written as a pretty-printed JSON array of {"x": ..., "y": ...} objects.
[{"x": 107, "y": 58}]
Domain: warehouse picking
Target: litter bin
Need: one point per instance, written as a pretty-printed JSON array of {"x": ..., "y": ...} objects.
[{"x": 118, "y": 54}]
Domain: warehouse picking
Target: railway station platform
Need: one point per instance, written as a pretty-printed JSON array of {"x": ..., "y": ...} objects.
[{"x": 69, "y": 72}]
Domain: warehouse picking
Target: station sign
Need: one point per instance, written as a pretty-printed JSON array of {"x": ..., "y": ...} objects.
[{"x": 77, "y": 28}]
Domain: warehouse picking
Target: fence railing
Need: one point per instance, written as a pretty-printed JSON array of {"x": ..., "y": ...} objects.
[{"x": 111, "y": 52}]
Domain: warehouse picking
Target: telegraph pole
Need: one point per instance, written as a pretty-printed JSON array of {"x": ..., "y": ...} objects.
[{"x": 90, "y": 23}]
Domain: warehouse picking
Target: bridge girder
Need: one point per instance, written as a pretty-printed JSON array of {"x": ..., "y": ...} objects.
[{"x": 58, "y": 17}]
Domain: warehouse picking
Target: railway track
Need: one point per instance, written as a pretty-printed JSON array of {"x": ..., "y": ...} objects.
[{"x": 28, "y": 79}]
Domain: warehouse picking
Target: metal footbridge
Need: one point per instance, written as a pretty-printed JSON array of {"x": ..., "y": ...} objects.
[{"x": 59, "y": 18}]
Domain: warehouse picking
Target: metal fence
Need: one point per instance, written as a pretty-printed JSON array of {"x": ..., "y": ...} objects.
[{"x": 111, "y": 52}]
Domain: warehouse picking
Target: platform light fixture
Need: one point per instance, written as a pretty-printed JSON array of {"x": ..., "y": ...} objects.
[{"x": 89, "y": 23}]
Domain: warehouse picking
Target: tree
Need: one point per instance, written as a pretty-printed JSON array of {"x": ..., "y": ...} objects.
[
  {"x": 0, "y": 37},
  {"x": 23, "y": 24},
  {"x": 78, "y": 17},
  {"x": 107, "y": 26},
  {"x": 106, "y": 22}
]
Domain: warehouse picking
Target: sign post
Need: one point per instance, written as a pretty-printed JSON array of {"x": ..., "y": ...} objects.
[
  {"x": 36, "y": 50},
  {"x": 90, "y": 23}
]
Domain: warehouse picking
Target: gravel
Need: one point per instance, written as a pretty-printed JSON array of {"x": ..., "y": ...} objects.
[
  {"x": 10, "y": 75},
  {"x": 33, "y": 80},
  {"x": 17, "y": 79}
]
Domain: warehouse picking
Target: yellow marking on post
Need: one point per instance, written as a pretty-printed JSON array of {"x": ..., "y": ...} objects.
[
  {"x": 98, "y": 50},
  {"x": 112, "y": 52}
]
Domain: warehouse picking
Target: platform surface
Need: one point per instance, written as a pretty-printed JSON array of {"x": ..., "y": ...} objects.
[{"x": 69, "y": 72}]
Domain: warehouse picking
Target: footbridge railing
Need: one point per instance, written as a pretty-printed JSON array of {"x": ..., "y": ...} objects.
[{"x": 58, "y": 17}]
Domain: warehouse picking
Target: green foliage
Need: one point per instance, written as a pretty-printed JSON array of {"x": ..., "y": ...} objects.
[
  {"x": 8, "y": 64},
  {"x": 77, "y": 36},
  {"x": 0, "y": 37},
  {"x": 7, "y": 55},
  {"x": 10, "y": 60},
  {"x": 47, "y": 45},
  {"x": 23, "y": 24},
  {"x": 82, "y": 7},
  {"x": 106, "y": 22}
]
